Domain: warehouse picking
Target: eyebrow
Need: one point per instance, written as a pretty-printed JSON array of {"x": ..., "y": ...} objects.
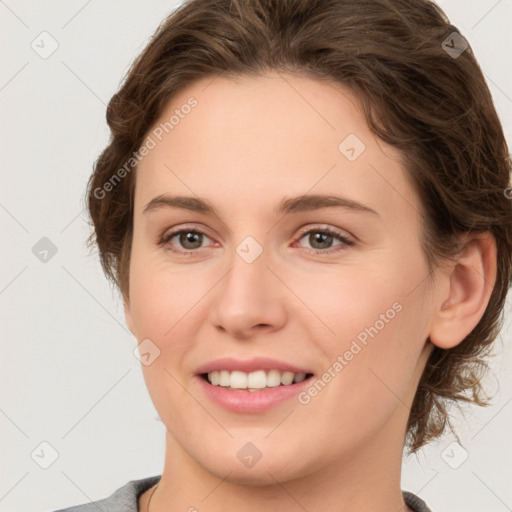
[{"x": 304, "y": 203}]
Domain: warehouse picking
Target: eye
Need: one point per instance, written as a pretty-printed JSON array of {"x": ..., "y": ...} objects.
[
  {"x": 189, "y": 239},
  {"x": 321, "y": 240}
]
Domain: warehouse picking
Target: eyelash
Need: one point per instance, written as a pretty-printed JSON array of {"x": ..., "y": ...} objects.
[{"x": 166, "y": 238}]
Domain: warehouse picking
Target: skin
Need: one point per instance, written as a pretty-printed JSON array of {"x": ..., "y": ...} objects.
[{"x": 246, "y": 146}]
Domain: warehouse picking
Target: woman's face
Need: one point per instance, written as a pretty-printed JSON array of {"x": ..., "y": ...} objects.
[{"x": 307, "y": 260}]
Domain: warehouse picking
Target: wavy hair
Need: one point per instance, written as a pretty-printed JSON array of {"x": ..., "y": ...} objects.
[{"x": 422, "y": 91}]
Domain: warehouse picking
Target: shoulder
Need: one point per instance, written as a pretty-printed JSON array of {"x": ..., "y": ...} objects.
[
  {"x": 124, "y": 499},
  {"x": 414, "y": 502}
]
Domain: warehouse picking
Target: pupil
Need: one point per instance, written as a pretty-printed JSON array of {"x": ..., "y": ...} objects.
[
  {"x": 320, "y": 236},
  {"x": 189, "y": 237}
]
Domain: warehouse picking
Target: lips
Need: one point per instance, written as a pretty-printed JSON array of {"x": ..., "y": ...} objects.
[
  {"x": 251, "y": 365},
  {"x": 251, "y": 385},
  {"x": 250, "y": 400}
]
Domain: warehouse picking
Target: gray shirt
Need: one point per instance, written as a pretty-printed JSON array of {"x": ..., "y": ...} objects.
[{"x": 126, "y": 499}]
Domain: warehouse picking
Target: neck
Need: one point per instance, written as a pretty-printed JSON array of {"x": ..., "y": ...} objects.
[{"x": 367, "y": 478}]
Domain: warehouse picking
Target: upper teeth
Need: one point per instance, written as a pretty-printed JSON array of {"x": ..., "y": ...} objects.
[{"x": 254, "y": 380}]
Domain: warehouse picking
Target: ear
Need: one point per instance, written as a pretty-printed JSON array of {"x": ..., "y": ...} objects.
[
  {"x": 128, "y": 315},
  {"x": 471, "y": 281}
]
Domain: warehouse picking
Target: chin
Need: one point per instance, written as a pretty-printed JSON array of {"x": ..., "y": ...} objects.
[
  {"x": 273, "y": 466},
  {"x": 260, "y": 476}
]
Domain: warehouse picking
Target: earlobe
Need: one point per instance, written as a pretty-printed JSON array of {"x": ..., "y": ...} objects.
[{"x": 471, "y": 282}]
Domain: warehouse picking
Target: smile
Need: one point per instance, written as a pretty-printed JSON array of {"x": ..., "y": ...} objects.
[{"x": 255, "y": 380}]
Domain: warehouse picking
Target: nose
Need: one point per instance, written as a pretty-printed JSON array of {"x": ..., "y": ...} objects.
[{"x": 249, "y": 300}]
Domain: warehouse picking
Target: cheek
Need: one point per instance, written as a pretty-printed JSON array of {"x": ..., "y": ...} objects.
[
  {"x": 362, "y": 303},
  {"x": 162, "y": 305},
  {"x": 161, "y": 298},
  {"x": 378, "y": 320}
]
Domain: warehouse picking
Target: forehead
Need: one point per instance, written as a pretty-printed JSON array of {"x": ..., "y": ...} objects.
[{"x": 254, "y": 139}]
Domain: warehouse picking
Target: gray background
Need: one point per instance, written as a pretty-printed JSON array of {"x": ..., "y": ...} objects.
[{"x": 68, "y": 374}]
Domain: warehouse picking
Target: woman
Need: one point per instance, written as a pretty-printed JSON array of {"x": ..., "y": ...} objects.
[{"x": 305, "y": 207}]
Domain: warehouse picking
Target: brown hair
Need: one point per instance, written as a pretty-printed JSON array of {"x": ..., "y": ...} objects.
[{"x": 431, "y": 103}]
